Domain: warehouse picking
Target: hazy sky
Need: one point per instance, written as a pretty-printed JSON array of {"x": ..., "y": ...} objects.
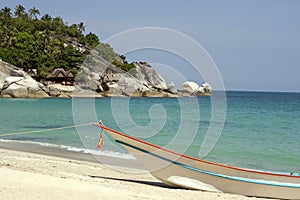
[{"x": 255, "y": 43}]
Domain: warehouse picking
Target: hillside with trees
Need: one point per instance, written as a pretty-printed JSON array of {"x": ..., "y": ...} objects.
[
  {"x": 59, "y": 52},
  {"x": 30, "y": 40}
]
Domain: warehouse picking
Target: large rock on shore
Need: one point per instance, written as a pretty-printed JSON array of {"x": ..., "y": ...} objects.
[
  {"x": 15, "y": 83},
  {"x": 190, "y": 88},
  {"x": 22, "y": 87},
  {"x": 148, "y": 76},
  {"x": 99, "y": 75},
  {"x": 58, "y": 90},
  {"x": 171, "y": 88},
  {"x": 129, "y": 85},
  {"x": 205, "y": 89}
]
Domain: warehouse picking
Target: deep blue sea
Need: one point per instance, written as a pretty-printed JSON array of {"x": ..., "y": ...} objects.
[{"x": 261, "y": 129}]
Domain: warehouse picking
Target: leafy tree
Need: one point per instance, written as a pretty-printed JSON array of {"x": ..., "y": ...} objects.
[
  {"x": 25, "y": 41},
  {"x": 106, "y": 52},
  {"x": 92, "y": 40},
  {"x": 46, "y": 17},
  {"x": 73, "y": 31},
  {"x": 125, "y": 66},
  {"x": 71, "y": 58}
]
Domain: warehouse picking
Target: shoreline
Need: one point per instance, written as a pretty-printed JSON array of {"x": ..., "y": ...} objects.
[
  {"x": 100, "y": 95},
  {"x": 63, "y": 153},
  {"x": 30, "y": 172}
]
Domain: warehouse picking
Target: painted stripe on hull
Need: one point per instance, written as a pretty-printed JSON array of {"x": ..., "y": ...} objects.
[
  {"x": 290, "y": 175},
  {"x": 254, "y": 181}
]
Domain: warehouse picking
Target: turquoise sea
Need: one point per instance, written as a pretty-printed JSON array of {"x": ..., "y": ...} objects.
[{"x": 261, "y": 129}]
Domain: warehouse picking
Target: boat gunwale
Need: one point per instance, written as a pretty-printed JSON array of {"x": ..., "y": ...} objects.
[{"x": 197, "y": 159}]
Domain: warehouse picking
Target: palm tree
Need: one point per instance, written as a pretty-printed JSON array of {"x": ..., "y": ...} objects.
[
  {"x": 19, "y": 11},
  {"x": 6, "y": 11},
  {"x": 81, "y": 27},
  {"x": 33, "y": 13}
]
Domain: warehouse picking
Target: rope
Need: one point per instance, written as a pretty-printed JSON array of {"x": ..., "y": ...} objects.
[{"x": 44, "y": 130}]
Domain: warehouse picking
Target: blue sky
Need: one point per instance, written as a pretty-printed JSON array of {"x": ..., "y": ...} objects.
[{"x": 255, "y": 43}]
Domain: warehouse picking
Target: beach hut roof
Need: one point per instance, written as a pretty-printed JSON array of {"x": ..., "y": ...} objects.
[
  {"x": 69, "y": 74},
  {"x": 58, "y": 72}
]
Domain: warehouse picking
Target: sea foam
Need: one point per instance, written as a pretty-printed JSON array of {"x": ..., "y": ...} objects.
[{"x": 77, "y": 149}]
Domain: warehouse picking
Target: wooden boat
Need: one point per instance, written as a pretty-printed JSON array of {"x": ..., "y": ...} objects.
[{"x": 188, "y": 172}]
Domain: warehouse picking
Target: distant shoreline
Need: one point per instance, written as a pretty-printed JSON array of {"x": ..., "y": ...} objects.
[{"x": 99, "y": 95}]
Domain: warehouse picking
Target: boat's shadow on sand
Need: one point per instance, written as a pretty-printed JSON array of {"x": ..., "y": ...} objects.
[{"x": 151, "y": 183}]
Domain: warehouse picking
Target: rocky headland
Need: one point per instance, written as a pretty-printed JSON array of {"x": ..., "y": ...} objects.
[
  {"x": 97, "y": 78},
  {"x": 61, "y": 60}
]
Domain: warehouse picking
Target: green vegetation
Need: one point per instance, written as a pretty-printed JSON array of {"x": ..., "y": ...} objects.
[
  {"x": 46, "y": 43},
  {"x": 106, "y": 52},
  {"x": 124, "y": 64}
]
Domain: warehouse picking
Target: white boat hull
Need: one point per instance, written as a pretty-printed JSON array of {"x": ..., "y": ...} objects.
[{"x": 187, "y": 172}]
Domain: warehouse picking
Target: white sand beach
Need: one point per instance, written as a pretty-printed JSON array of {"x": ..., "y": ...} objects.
[{"x": 26, "y": 175}]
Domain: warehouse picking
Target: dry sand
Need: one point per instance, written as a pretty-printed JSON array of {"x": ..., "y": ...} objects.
[{"x": 35, "y": 176}]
